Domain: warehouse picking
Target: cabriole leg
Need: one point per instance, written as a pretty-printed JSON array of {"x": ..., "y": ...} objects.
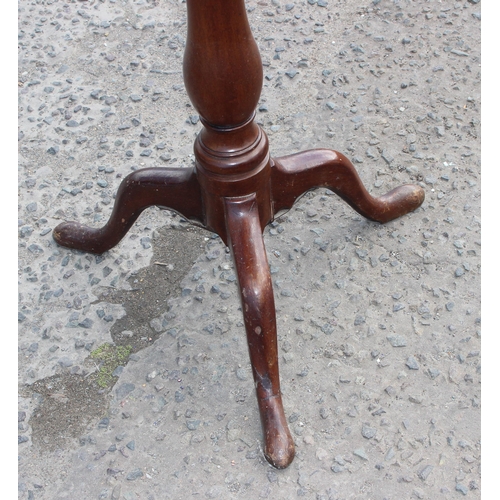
[
  {"x": 293, "y": 175},
  {"x": 166, "y": 187},
  {"x": 257, "y": 301}
]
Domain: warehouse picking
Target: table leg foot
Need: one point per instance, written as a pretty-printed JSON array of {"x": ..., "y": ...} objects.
[
  {"x": 279, "y": 448},
  {"x": 172, "y": 188},
  {"x": 296, "y": 174},
  {"x": 246, "y": 242}
]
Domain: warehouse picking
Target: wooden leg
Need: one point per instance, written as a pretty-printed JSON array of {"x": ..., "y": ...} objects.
[
  {"x": 172, "y": 188},
  {"x": 293, "y": 175},
  {"x": 245, "y": 240}
]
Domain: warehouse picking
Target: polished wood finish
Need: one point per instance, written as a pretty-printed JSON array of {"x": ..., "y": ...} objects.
[
  {"x": 222, "y": 65},
  {"x": 236, "y": 189},
  {"x": 295, "y": 174},
  {"x": 257, "y": 301},
  {"x": 171, "y": 188}
]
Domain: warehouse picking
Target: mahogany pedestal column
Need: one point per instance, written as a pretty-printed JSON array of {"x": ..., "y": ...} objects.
[{"x": 235, "y": 188}]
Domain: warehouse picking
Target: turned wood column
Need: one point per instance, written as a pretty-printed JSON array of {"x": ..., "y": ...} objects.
[
  {"x": 223, "y": 78},
  {"x": 222, "y": 65}
]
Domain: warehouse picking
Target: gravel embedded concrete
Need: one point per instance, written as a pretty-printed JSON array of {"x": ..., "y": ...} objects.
[{"x": 134, "y": 378}]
